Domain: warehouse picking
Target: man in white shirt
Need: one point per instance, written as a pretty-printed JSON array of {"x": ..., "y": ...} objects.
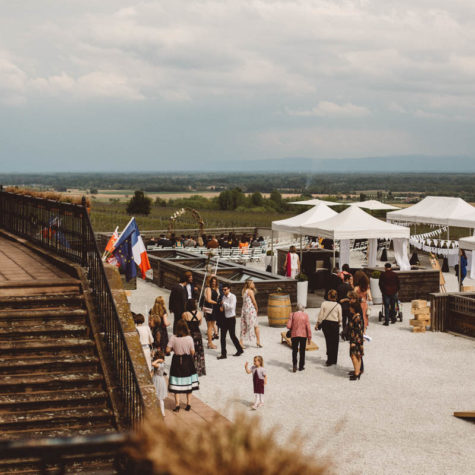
[
  {"x": 191, "y": 291},
  {"x": 228, "y": 305}
]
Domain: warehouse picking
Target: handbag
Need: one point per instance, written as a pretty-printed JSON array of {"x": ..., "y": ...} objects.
[
  {"x": 320, "y": 324},
  {"x": 289, "y": 332}
]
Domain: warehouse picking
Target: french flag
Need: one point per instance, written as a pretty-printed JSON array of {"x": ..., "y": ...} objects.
[{"x": 131, "y": 231}]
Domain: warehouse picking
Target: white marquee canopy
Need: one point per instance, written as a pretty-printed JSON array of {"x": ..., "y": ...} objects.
[
  {"x": 354, "y": 223},
  {"x": 441, "y": 210},
  {"x": 314, "y": 202},
  {"x": 467, "y": 243},
  {"x": 320, "y": 212},
  {"x": 373, "y": 205}
]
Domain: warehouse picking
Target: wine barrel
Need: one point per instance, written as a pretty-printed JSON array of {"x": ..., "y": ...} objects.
[{"x": 278, "y": 309}]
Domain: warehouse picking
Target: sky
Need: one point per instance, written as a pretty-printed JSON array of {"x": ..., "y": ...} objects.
[{"x": 89, "y": 85}]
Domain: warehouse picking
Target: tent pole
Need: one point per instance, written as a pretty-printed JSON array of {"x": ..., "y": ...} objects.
[
  {"x": 460, "y": 271},
  {"x": 300, "y": 251},
  {"x": 334, "y": 245},
  {"x": 272, "y": 252}
]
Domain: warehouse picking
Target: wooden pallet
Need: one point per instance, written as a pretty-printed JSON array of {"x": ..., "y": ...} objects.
[
  {"x": 469, "y": 415},
  {"x": 312, "y": 347}
]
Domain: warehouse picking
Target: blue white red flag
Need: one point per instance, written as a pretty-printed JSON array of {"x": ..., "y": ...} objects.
[{"x": 131, "y": 233}]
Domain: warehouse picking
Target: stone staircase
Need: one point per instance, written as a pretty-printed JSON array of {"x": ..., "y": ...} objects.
[{"x": 52, "y": 382}]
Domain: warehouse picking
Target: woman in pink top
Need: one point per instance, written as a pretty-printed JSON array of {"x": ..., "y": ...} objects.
[
  {"x": 300, "y": 332},
  {"x": 183, "y": 376}
]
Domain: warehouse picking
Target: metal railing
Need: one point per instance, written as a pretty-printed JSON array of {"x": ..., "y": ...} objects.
[{"x": 66, "y": 230}]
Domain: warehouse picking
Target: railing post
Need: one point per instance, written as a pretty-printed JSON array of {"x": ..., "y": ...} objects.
[
  {"x": 2, "y": 214},
  {"x": 83, "y": 232}
]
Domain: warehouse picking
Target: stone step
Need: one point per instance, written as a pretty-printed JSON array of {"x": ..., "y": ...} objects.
[
  {"x": 31, "y": 316},
  {"x": 50, "y": 381},
  {"x": 66, "y": 300},
  {"x": 20, "y": 402},
  {"x": 32, "y": 363},
  {"x": 86, "y": 417},
  {"x": 72, "y": 431},
  {"x": 48, "y": 347},
  {"x": 11, "y": 288},
  {"x": 39, "y": 332},
  {"x": 88, "y": 464}
]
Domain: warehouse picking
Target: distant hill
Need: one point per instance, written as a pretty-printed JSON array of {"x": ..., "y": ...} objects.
[{"x": 396, "y": 164}]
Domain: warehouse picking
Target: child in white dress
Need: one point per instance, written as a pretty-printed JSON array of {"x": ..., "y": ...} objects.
[{"x": 159, "y": 380}]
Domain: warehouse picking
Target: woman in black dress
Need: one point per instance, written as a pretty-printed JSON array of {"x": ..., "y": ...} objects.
[
  {"x": 355, "y": 333},
  {"x": 193, "y": 319},
  {"x": 211, "y": 309}
]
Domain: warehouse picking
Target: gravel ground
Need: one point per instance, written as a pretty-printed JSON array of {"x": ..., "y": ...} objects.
[{"x": 396, "y": 420}]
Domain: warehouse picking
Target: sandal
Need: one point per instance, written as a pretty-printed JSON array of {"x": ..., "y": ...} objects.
[
  {"x": 259, "y": 345},
  {"x": 211, "y": 346}
]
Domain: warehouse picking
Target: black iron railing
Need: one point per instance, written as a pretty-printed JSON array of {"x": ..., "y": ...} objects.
[{"x": 66, "y": 230}]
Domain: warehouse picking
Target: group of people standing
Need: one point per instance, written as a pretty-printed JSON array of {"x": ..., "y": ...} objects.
[
  {"x": 218, "y": 306},
  {"x": 345, "y": 306}
]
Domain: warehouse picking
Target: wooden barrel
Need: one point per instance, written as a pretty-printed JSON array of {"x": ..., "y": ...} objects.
[{"x": 278, "y": 309}]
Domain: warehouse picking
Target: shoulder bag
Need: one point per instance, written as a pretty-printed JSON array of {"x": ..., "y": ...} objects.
[{"x": 333, "y": 308}]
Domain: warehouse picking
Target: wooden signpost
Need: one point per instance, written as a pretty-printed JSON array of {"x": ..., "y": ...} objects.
[{"x": 436, "y": 266}]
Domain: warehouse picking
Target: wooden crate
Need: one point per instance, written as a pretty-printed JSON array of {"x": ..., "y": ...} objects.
[
  {"x": 418, "y": 304},
  {"x": 419, "y": 323},
  {"x": 421, "y": 311},
  {"x": 418, "y": 329}
]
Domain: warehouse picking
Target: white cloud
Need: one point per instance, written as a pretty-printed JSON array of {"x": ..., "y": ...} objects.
[
  {"x": 379, "y": 60},
  {"x": 330, "y": 109}
]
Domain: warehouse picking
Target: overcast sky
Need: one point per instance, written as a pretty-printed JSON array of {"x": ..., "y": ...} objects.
[{"x": 120, "y": 85}]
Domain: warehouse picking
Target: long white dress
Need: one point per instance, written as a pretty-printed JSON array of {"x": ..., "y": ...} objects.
[{"x": 294, "y": 265}]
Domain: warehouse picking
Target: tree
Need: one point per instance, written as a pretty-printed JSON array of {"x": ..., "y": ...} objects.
[
  {"x": 363, "y": 197},
  {"x": 257, "y": 199},
  {"x": 139, "y": 204},
  {"x": 276, "y": 197},
  {"x": 231, "y": 199}
]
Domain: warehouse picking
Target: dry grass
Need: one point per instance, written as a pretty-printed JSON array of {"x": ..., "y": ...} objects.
[
  {"x": 241, "y": 448},
  {"x": 48, "y": 195}
]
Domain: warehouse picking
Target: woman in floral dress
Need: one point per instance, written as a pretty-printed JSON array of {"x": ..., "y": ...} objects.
[
  {"x": 355, "y": 331},
  {"x": 249, "y": 324}
]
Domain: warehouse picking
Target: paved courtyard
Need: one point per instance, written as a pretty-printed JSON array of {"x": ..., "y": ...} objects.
[{"x": 396, "y": 419}]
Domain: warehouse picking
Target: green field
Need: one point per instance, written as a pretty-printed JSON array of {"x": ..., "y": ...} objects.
[{"x": 106, "y": 216}]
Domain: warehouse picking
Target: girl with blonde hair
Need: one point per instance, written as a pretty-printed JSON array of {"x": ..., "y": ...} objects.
[{"x": 158, "y": 322}]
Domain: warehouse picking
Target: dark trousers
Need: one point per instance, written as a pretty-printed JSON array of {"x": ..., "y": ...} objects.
[
  {"x": 229, "y": 325},
  {"x": 389, "y": 307},
  {"x": 299, "y": 341},
  {"x": 330, "y": 331}
]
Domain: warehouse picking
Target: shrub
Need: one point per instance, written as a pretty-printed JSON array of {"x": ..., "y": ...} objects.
[
  {"x": 218, "y": 446},
  {"x": 139, "y": 204}
]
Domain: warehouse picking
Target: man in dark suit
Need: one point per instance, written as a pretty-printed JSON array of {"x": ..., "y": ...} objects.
[
  {"x": 333, "y": 282},
  {"x": 343, "y": 289},
  {"x": 177, "y": 301}
]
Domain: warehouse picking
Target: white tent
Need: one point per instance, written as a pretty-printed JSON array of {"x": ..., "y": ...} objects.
[
  {"x": 314, "y": 202},
  {"x": 313, "y": 215},
  {"x": 354, "y": 223},
  {"x": 468, "y": 243},
  {"x": 441, "y": 210},
  {"x": 373, "y": 205}
]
